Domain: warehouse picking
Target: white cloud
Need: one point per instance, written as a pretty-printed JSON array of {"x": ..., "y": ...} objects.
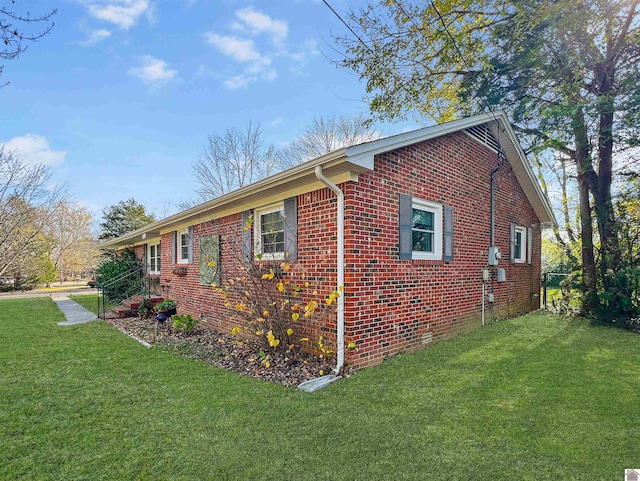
[
  {"x": 275, "y": 122},
  {"x": 34, "y": 149},
  {"x": 123, "y": 13},
  {"x": 239, "y": 82},
  {"x": 241, "y": 50},
  {"x": 95, "y": 36},
  {"x": 153, "y": 70},
  {"x": 257, "y": 23}
]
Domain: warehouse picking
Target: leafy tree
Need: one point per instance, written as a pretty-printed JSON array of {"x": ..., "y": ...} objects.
[
  {"x": 28, "y": 205},
  {"x": 325, "y": 135},
  {"x": 112, "y": 276},
  {"x": 628, "y": 212},
  {"x": 16, "y": 29},
  {"x": 566, "y": 71},
  {"x": 73, "y": 245},
  {"x": 232, "y": 160},
  {"x": 47, "y": 271},
  {"x": 123, "y": 217}
]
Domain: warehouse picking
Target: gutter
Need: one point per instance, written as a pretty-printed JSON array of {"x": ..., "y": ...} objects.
[{"x": 340, "y": 260}]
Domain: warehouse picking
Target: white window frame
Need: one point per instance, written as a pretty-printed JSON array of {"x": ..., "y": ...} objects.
[
  {"x": 180, "y": 259},
  {"x": 157, "y": 257},
  {"x": 257, "y": 241},
  {"x": 523, "y": 244},
  {"x": 436, "y": 209}
]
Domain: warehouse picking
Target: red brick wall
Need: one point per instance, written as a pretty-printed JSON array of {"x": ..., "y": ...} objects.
[
  {"x": 394, "y": 305},
  {"x": 201, "y": 301}
]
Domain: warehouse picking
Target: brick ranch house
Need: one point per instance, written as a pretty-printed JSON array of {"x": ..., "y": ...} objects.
[{"x": 408, "y": 227}]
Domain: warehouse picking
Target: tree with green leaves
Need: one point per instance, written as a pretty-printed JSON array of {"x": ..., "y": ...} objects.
[
  {"x": 565, "y": 71},
  {"x": 28, "y": 206},
  {"x": 123, "y": 217},
  {"x": 73, "y": 246}
]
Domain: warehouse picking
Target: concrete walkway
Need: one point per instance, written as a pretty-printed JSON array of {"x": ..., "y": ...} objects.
[{"x": 74, "y": 312}]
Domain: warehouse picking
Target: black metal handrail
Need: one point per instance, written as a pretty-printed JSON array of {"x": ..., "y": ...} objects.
[{"x": 130, "y": 277}]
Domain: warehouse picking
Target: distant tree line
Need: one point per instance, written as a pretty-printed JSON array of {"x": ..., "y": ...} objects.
[{"x": 44, "y": 236}]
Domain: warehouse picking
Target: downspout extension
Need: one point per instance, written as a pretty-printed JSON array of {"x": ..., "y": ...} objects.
[{"x": 340, "y": 240}]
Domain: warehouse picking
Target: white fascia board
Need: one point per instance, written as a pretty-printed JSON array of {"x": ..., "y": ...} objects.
[
  {"x": 363, "y": 154},
  {"x": 296, "y": 172}
]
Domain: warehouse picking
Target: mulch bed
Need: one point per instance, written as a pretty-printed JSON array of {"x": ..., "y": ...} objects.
[{"x": 289, "y": 367}]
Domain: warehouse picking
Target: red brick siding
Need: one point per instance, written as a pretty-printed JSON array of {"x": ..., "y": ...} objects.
[
  {"x": 316, "y": 259},
  {"x": 139, "y": 252},
  {"x": 390, "y": 303},
  {"x": 393, "y": 305},
  {"x": 201, "y": 301}
]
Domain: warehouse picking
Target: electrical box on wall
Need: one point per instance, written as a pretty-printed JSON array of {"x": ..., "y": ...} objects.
[
  {"x": 494, "y": 256},
  {"x": 490, "y": 297},
  {"x": 485, "y": 274},
  {"x": 502, "y": 276}
]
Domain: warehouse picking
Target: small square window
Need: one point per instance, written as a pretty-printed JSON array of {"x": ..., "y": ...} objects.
[{"x": 426, "y": 230}]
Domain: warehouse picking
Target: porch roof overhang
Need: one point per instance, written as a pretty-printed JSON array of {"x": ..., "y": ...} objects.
[{"x": 340, "y": 166}]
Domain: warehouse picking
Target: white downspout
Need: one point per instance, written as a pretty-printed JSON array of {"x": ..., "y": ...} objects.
[{"x": 340, "y": 240}]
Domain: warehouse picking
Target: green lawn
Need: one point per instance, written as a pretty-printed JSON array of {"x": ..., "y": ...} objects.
[
  {"x": 90, "y": 302},
  {"x": 533, "y": 398}
]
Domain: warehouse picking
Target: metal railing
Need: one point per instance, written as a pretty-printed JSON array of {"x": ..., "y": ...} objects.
[{"x": 130, "y": 283}]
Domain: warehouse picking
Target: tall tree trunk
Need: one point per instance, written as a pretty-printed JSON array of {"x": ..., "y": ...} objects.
[
  {"x": 605, "y": 215},
  {"x": 586, "y": 177}
]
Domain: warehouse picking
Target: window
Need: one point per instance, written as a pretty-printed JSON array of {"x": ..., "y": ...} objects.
[
  {"x": 154, "y": 258},
  {"x": 269, "y": 232},
  {"x": 182, "y": 246},
  {"x": 426, "y": 230},
  {"x": 519, "y": 244},
  {"x": 184, "y": 241}
]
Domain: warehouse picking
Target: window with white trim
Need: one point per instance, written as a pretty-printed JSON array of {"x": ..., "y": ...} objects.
[
  {"x": 183, "y": 246},
  {"x": 154, "y": 258},
  {"x": 426, "y": 230},
  {"x": 269, "y": 231},
  {"x": 519, "y": 245}
]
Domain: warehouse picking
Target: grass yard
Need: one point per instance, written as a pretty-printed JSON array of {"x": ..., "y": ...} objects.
[
  {"x": 533, "y": 398},
  {"x": 90, "y": 302}
]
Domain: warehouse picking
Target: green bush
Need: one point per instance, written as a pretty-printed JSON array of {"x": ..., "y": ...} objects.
[
  {"x": 145, "y": 309},
  {"x": 166, "y": 305},
  {"x": 120, "y": 276},
  {"x": 184, "y": 322}
]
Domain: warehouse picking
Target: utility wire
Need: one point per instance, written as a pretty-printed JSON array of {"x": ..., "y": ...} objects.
[{"x": 373, "y": 53}]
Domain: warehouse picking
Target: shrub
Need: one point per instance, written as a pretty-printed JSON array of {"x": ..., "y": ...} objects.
[
  {"x": 145, "y": 309},
  {"x": 166, "y": 305},
  {"x": 184, "y": 322},
  {"x": 120, "y": 276},
  {"x": 273, "y": 302}
]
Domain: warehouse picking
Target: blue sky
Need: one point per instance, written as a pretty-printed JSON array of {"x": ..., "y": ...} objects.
[{"x": 119, "y": 99}]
